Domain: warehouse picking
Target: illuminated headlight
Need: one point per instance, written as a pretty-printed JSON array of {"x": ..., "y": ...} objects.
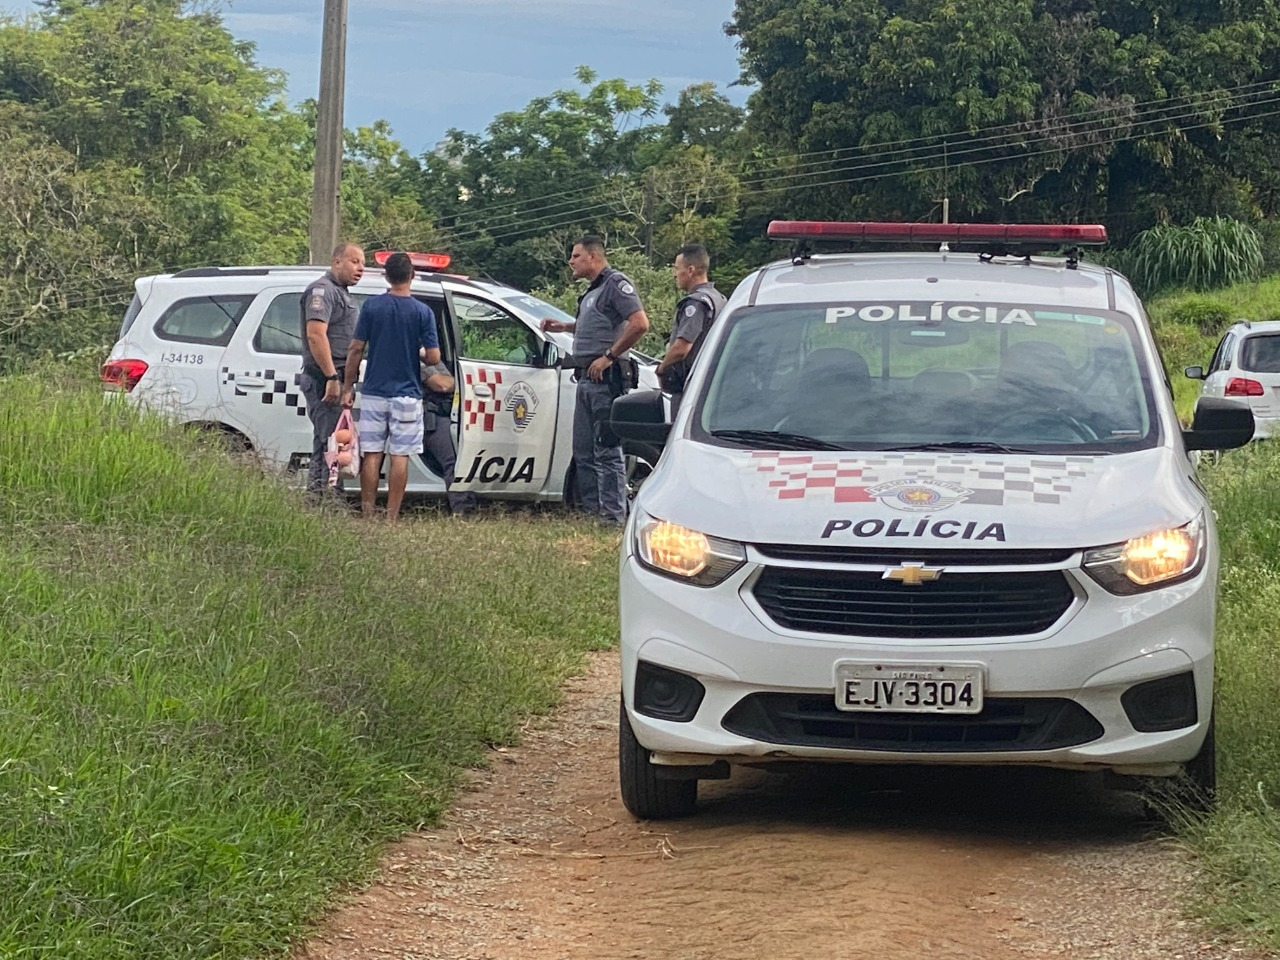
[
  {"x": 1144, "y": 563},
  {"x": 685, "y": 554}
]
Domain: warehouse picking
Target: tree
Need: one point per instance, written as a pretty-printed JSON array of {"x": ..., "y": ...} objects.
[{"x": 1015, "y": 109}]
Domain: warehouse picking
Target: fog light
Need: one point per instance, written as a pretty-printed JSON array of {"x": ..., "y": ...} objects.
[
  {"x": 665, "y": 694},
  {"x": 1165, "y": 704}
]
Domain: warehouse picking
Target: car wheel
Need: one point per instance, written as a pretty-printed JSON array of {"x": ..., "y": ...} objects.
[
  {"x": 643, "y": 793},
  {"x": 1200, "y": 779}
]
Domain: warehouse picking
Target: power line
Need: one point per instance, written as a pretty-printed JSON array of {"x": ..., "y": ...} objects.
[{"x": 1199, "y": 101}]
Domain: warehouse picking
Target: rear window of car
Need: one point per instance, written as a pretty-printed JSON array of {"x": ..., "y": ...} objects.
[
  {"x": 919, "y": 375},
  {"x": 1261, "y": 353},
  {"x": 209, "y": 320}
]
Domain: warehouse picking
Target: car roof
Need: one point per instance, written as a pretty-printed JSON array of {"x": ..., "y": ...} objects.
[
  {"x": 1248, "y": 327},
  {"x": 939, "y": 276},
  {"x": 240, "y": 278}
]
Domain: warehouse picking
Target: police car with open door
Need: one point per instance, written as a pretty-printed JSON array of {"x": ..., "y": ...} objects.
[
  {"x": 921, "y": 507},
  {"x": 220, "y": 348}
]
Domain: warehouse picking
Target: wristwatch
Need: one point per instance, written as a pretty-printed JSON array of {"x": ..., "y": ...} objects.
[
  {"x": 609, "y": 353},
  {"x": 332, "y": 377}
]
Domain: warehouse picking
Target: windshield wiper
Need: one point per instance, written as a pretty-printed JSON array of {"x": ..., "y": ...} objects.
[
  {"x": 776, "y": 439},
  {"x": 975, "y": 446}
]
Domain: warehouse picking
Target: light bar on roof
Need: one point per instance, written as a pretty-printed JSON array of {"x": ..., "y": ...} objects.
[
  {"x": 873, "y": 232},
  {"x": 420, "y": 261}
]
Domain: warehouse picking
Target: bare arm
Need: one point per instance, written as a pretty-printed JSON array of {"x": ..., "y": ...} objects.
[
  {"x": 675, "y": 353},
  {"x": 355, "y": 353},
  {"x": 318, "y": 341},
  {"x": 557, "y": 326}
]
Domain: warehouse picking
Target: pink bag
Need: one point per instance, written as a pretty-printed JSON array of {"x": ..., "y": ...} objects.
[{"x": 343, "y": 459}]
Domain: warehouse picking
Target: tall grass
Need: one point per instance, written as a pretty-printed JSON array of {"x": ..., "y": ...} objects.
[
  {"x": 214, "y": 703},
  {"x": 1240, "y": 843},
  {"x": 1210, "y": 252}
]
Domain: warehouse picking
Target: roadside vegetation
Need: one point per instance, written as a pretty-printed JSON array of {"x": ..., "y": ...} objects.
[{"x": 217, "y": 703}]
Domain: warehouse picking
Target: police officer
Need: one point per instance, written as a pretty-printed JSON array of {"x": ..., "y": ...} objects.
[
  {"x": 328, "y": 320},
  {"x": 437, "y": 408},
  {"x": 611, "y": 320},
  {"x": 695, "y": 312}
]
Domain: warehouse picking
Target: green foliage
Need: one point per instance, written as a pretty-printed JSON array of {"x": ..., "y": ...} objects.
[
  {"x": 1018, "y": 111},
  {"x": 1211, "y": 252},
  {"x": 219, "y": 703}
]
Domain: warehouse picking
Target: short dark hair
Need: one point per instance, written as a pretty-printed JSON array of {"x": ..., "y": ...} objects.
[
  {"x": 341, "y": 249},
  {"x": 591, "y": 242},
  {"x": 398, "y": 268},
  {"x": 695, "y": 255}
]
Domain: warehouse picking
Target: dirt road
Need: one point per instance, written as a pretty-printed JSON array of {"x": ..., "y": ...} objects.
[{"x": 540, "y": 860}]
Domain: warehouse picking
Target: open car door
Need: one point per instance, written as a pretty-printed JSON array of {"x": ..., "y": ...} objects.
[{"x": 509, "y": 400}]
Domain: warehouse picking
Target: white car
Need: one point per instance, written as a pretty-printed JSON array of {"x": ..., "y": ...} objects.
[
  {"x": 921, "y": 507},
  {"x": 220, "y": 347},
  {"x": 1246, "y": 366}
]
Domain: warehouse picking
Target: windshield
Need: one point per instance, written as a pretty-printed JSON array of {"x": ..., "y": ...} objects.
[
  {"x": 539, "y": 308},
  {"x": 910, "y": 375}
]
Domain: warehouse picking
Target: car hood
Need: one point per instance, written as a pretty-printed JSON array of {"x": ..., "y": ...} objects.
[{"x": 912, "y": 499}]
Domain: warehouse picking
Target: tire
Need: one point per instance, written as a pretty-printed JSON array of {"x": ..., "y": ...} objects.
[
  {"x": 643, "y": 794},
  {"x": 1200, "y": 775}
]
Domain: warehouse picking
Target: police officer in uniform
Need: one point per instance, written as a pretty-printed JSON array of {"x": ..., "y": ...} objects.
[
  {"x": 328, "y": 321},
  {"x": 695, "y": 312},
  {"x": 611, "y": 320}
]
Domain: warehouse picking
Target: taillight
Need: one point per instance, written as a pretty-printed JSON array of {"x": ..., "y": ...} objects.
[
  {"x": 1243, "y": 387},
  {"x": 123, "y": 374}
]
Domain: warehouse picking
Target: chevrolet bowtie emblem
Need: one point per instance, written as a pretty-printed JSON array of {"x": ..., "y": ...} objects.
[{"x": 913, "y": 574}]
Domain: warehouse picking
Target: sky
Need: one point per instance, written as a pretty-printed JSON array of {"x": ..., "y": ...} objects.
[{"x": 428, "y": 65}]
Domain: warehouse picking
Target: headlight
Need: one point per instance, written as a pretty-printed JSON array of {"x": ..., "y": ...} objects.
[
  {"x": 1144, "y": 563},
  {"x": 685, "y": 554}
]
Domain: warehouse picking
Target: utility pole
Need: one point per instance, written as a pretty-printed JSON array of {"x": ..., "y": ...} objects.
[{"x": 325, "y": 215}]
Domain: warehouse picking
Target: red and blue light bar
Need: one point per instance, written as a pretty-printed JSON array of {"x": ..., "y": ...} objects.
[{"x": 876, "y": 232}]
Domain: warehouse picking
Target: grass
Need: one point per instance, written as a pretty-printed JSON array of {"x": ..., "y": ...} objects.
[
  {"x": 214, "y": 704},
  {"x": 1239, "y": 845}
]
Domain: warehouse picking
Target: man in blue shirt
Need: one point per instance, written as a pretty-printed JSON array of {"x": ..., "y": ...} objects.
[{"x": 395, "y": 327}]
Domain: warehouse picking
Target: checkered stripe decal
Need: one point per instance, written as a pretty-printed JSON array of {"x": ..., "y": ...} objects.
[
  {"x": 480, "y": 411},
  {"x": 286, "y": 387},
  {"x": 796, "y": 476}
]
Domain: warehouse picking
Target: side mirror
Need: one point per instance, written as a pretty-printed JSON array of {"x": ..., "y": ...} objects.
[
  {"x": 640, "y": 416},
  {"x": 1219, "y": 424},
  {"x": 550, "y": 355},
  {"x": 1194, "y": 373}
]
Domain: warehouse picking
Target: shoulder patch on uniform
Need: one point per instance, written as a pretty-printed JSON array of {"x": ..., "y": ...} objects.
[
  {"x": 690, "y": 310},
  {"x": 626, "y": 288},
  {"x": 317, "y": 300}
]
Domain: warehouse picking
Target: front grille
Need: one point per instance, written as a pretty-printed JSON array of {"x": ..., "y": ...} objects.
[
  {"x": 934, "y": 557},
  {"x": 1005, "y": 724},
  {"x": 864, "y": 604}
]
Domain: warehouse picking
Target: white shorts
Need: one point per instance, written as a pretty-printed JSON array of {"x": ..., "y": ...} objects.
[{"x": 390, "y": 425}]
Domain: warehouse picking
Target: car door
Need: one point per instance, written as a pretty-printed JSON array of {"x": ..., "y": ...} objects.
[
  {"x": 259, "y": 378},
  {"x": 509, "y": 399},
  {"x": 1219, "y": 372}
]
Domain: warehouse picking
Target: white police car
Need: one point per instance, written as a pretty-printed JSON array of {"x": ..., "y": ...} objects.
[
  {"x": 923, "y": 508},
  {"x": 220, "y": 347},
  {"x": 1246, "y": 367}
]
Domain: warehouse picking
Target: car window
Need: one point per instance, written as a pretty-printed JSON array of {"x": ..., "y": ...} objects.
[
  {"x": 886, "y": 375},
  {"x": 491, "y": 333},
  {"x": 1260, "y": 353},
  {"x": 130, "y": 315},
  {"x": 281, "y": 328},
  {"x": 209, "y": 320},
  {"x": 539, "y": 308},
  {"x": 1221, "y": 356}
]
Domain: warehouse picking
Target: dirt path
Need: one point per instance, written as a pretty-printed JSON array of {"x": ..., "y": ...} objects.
[{"x": 540, "y": 860}]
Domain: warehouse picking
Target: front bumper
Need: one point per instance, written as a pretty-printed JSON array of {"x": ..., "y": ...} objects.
[{"x": 1100, "y": 648}]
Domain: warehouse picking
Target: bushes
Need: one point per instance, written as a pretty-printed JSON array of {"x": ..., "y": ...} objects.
[{"x": 1211, "y": 252}]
